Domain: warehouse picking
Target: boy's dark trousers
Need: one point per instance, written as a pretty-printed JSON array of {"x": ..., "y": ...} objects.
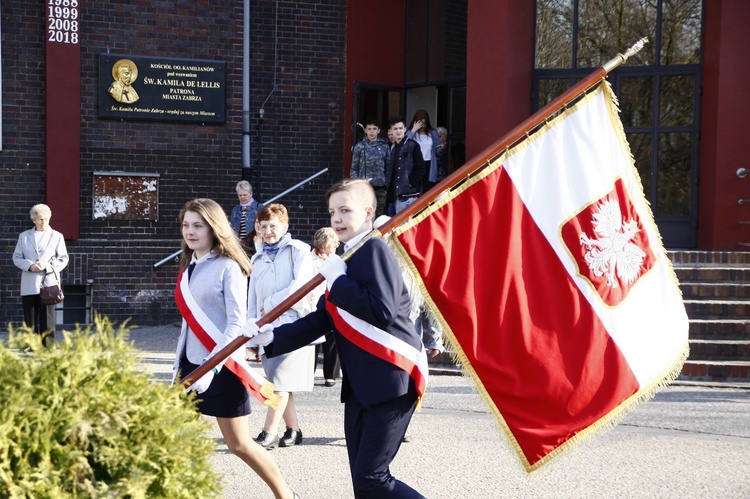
[{"x": 373, "y": 437}]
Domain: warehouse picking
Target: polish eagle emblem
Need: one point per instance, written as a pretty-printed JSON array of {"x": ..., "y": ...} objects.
[{"x": 610, "y": 252}]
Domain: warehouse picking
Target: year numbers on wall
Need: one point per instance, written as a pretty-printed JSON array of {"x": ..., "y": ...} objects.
[{"x": 62, "y": 21}]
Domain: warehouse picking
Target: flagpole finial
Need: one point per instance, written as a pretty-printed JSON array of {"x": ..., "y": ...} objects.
[
  {"x": 621, "y": 58},
  {"x": 636, "y": 47}
]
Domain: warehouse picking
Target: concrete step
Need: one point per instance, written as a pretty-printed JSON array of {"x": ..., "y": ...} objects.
[
  {"x": 734, "y": 384},
  {"x": 719, "y": 329},
  {"x": 712, "y": 274},
  {"x": 708, "y": 370},
  {"x": 715, "y": 287},
  {"x": 720, "y": 350},
  {"x": 692, "y": 290},
  {"x": 717, "y": 309},
  {"x": 680, "y": 257}
]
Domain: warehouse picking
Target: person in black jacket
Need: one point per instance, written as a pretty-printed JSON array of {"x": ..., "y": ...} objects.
[{"x": 404, "y": 177}]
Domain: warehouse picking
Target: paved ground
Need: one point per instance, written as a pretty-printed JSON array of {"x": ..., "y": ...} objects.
[{"x": 687, "y": 442}]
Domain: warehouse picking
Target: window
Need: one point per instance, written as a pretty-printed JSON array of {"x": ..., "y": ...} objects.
[{"x": 658, "y": 88}]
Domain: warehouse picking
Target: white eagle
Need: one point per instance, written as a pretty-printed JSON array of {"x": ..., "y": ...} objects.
[{"x": 610, "y": 253}]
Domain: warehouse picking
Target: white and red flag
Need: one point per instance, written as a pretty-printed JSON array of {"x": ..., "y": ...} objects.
[{"x": 549, "y": 277}]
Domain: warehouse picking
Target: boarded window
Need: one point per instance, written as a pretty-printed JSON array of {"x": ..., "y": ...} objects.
[{"x": 126, "y": 196}]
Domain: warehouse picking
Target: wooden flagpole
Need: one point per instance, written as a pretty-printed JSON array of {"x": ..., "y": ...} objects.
[{"x": 471, "y": 167}]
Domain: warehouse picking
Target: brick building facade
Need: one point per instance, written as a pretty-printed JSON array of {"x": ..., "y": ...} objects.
[
  {"x": 316, "y": 69},
  {"x": 296, "y": 75}
]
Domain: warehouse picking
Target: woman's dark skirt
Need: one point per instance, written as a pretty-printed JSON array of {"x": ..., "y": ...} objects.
[{"x": 226, "y": 397}]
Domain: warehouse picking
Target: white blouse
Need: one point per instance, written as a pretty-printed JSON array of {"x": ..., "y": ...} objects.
[{"x": 425, "y": 144}]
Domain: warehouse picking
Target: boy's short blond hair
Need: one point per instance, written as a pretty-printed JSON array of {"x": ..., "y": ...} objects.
[{"x": 359, "y": 188}]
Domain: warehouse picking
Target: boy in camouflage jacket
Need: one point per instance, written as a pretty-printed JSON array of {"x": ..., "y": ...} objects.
[{"x": 371, "y": 158}]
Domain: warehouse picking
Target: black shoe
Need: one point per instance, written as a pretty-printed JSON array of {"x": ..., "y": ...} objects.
[
  {"x": 266, "y": 440},
  {"x": 406, "y": 439},
  {"x": 291, "y": 437},
  {"x": 330, "y": 382}
]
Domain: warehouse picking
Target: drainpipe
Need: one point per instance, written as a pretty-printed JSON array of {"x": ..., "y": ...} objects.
[{"x": 246, "y": 170}]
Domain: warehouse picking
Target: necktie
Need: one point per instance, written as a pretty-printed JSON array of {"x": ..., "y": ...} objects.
[{"x": 191, "y": 267}]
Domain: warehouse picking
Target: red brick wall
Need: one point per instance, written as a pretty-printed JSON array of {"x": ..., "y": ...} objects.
[
  {"x": 301, "y": 134},
  {"x": 375, "y": 53}
]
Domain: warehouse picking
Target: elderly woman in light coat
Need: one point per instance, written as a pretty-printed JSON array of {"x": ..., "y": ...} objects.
[
  {"x": 40, "y": 254},
  {"x": 280, "y": 268}
]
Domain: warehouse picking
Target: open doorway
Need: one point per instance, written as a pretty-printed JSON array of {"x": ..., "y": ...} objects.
[
  {"x": 379, "y": 102},
  {"x": 446, "y": 105}
]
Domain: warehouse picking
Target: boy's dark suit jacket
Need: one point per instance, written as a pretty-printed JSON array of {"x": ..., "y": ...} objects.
[{"x": 373, "y": 290}]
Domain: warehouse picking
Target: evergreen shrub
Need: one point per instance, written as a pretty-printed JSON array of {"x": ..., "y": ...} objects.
[{"x": 80, "y": 419}]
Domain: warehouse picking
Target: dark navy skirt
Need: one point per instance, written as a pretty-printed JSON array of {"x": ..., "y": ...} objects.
[{"x": 226, "y": 397}]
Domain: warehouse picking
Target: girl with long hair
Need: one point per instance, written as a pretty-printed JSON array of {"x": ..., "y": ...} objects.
[
  {"x": 212, "y": 296},
  {"x": 421, "y": 131}
]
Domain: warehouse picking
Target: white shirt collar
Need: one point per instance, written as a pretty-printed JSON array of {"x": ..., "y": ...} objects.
[
  {"x": 353, "y": 241},
  {"x": 205, "y": 257}
]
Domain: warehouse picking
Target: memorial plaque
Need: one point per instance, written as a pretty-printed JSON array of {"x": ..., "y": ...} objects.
[
  {"x": 126, "y": 196},
  {"x": 162, "y": 89}
]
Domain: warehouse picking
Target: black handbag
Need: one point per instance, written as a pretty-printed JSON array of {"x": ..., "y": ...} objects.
[{"x": 52, "y": 295}]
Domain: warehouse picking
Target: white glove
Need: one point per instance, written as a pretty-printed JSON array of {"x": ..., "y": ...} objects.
[
  {"x": 250, "y": 328},
  {"x": 202, "y": 384},
  {"x": 332, "y": 268},
  {"x": 264, "y": 336}
]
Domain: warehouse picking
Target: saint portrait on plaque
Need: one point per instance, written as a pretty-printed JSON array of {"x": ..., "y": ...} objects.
[{"x": 124, "y": 73}]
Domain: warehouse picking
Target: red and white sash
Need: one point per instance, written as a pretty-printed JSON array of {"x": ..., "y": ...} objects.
[
  {"x": 383, "y": 345},
  {"x": 208, "y": 334}
]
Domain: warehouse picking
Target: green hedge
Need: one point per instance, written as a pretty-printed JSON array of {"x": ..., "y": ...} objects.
[{"x": 80, "y": 419}]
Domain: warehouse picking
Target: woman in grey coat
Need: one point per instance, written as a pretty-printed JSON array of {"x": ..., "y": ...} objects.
[
  {"x": 279, "y": 269},
  {"x": 40, "y": 254}
]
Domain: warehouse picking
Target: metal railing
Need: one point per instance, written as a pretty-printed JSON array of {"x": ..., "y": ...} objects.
[{"x": 174, "y": 256}]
